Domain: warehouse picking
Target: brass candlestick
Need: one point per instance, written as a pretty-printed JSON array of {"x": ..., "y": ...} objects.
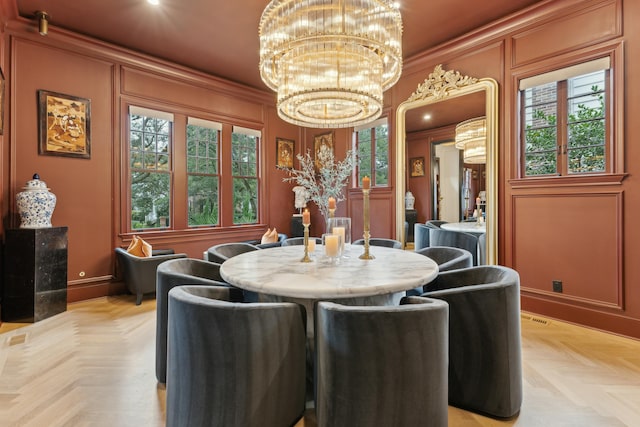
[
  {"x": 306, "y": 257},
  {"x": 367, "y": 234},
  {"x": 332, "y": 212}
]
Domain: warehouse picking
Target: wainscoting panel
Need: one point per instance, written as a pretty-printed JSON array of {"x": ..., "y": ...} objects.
[
  {"x": 600, "y": 22},
  {"x": 588, "y": 263}
]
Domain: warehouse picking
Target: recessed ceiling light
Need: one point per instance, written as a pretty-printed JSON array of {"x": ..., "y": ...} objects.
[
  {"x": 154, "y": 2},
  {"x": 426, "y": 117}
]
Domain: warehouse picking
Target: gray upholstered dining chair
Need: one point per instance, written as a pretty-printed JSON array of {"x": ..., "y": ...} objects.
[
  {"x": 435, "y": 223},
  {"x": 223, "y": 251},
  {"x": 378, "y": 241},
  {"x": 456, "y": 239},
  {"x": 139, "y": 273},
  {"x": 482, "y": 249},
  {"x": 485, "y": 363},
  {"x": 292, "y": 241},
  {"x": 421, "y": 236},
  {"x": 174, "y": 273},
  {"x": 231, "y": 363},
  {"x": 382, "y": 365},
  {"x": 448, "y": 257}
]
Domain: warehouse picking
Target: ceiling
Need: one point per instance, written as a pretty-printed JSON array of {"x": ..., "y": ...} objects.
[{"x": 220, "y": 37}]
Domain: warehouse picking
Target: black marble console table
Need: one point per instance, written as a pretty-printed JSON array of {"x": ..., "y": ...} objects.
[
  {"x": 297, "y": 229},
  {"x": 35, "y": 274}
]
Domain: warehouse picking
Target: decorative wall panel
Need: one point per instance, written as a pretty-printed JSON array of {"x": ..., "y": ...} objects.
[{"x": 572, "y": 238}]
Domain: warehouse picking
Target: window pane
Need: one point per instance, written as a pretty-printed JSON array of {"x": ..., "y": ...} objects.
[
  {"x": 150, "y": 164},
  {"x": 149, "y": 200},
  {"x": 587, "y": 160},
  {"x": 382, "y": 156},
  {"x": 203, "y": 200},
  {"x": 541, "y": 163},
  {"x": 244, "y": 167},
  {"x": 540, "y": 120},
  {"x": 586, "y": 123},
  {"x": 245, "y": 200},
  {"x": 203, "y": 181},
  {"x": 364, "y": 154}
]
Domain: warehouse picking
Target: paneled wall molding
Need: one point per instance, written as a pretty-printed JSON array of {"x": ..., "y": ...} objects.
[
  {"x": 86, "y": 46},
  {"x": 575, "y": 238},
  {"x": 568, "y": 181},
  {"x": 138, "y": 83},
  {"x": 602, "y": 21},
  {"x": 531, "y": 16},
  {"x": 570, "y": 299}
]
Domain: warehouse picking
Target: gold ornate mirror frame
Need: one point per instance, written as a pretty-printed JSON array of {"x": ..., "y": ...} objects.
[{"x": 439, "y": 86}]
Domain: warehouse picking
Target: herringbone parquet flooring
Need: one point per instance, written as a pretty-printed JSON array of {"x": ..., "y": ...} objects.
[{"x": 94, "y": 366}]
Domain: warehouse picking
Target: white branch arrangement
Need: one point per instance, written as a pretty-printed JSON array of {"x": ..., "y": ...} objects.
[{"x": 328, "y": 182}]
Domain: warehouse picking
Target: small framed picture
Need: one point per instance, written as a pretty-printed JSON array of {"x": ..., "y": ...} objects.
[
  {"x": 285, "y": 149},
  {"x": 416, "y": 166},
  {"x": 64, "y": 125},
  {"x": 321, "y": 142}
]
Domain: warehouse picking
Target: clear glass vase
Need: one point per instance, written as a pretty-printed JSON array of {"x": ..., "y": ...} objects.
[{"x": 341, "y": 226}]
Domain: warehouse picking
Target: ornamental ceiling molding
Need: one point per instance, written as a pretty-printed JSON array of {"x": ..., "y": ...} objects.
[{"x": 439, "y": 83}]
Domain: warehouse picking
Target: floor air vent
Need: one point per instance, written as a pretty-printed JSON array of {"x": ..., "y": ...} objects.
[{"x": 534, "y": 319}]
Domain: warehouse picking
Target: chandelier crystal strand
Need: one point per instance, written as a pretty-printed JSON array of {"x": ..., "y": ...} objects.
[{"x": 330, "y": 60}]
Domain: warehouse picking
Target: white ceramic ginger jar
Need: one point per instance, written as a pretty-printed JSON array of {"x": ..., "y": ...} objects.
[
  {"x": 35, "y": 204},
  {"x": 409, "y": 200}
]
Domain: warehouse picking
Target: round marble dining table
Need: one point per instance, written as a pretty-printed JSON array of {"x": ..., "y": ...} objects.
[
  {"x": 466, "y": 227},
  {"x": 380, "y": 281},
  {"x": 277, "y": 274}
]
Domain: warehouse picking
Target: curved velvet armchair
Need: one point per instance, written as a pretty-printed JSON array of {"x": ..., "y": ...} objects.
[
  {"x": 223, "y": 251},
  {"x": 456, "y": 239},
  {"x": 420, "y": 236},
  {"x": 378, "y": 241},
  {"x": 382, "y": 365},
  {"x": 139, "y": 273},
  {"x": 447, "y": 257},
  {"x": 485, "y": 363},
  {"x": 188, "y": 271},
  {"x": 292, "y": 241},
  {"x": 234, "y": 364}
]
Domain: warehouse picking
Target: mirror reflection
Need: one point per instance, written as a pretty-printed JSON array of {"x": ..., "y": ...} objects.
[{"x": 459, "y": 183}]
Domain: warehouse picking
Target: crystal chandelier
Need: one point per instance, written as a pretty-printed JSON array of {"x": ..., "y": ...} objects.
[
  {"x": 330, "y": 60},
  {"x": 471, "y": 136}
]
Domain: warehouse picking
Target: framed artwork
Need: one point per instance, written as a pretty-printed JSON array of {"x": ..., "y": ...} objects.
[
  {"x": 285, "y": 149},
  {"x": 64, "y": 125},
  {"x": 321, "y": 142},
  {"x": 416, "y": 166}
]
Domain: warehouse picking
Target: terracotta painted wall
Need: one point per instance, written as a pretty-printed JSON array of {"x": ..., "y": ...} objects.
[
  {"x": 579, "y": 232},
  {"x": 90, "y": 202},
  {"x": 583, "y": 235}
]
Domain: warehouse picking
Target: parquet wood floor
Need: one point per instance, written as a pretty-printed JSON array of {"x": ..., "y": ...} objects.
[{"x": 94, "y": 366}]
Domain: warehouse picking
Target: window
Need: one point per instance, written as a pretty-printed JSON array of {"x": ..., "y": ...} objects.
[
  {"x": 244, "y": 164},
  {"x": 372, "y": 146},
  {"x": 203, "y": 171},
  {"x": 184, "y": 172},
  {"x": 564, "y": 121},
  {"x": 150, "y": 168}
]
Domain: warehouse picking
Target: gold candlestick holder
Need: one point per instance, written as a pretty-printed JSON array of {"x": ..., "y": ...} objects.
[
  {"x": 306, "y": 257},
  {"x": 332, "y": 212},
  {"x": 367, "y": 234}
]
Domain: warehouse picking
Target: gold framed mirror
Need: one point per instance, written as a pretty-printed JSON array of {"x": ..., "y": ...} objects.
[{"x": 444, "y": 85}]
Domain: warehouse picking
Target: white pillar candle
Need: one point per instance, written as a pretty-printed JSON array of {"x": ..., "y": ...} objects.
[
  {"x": 340, "y": 232},
  {"x": 331, "y": 245},
  {"x": 311, "y": 245}
]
